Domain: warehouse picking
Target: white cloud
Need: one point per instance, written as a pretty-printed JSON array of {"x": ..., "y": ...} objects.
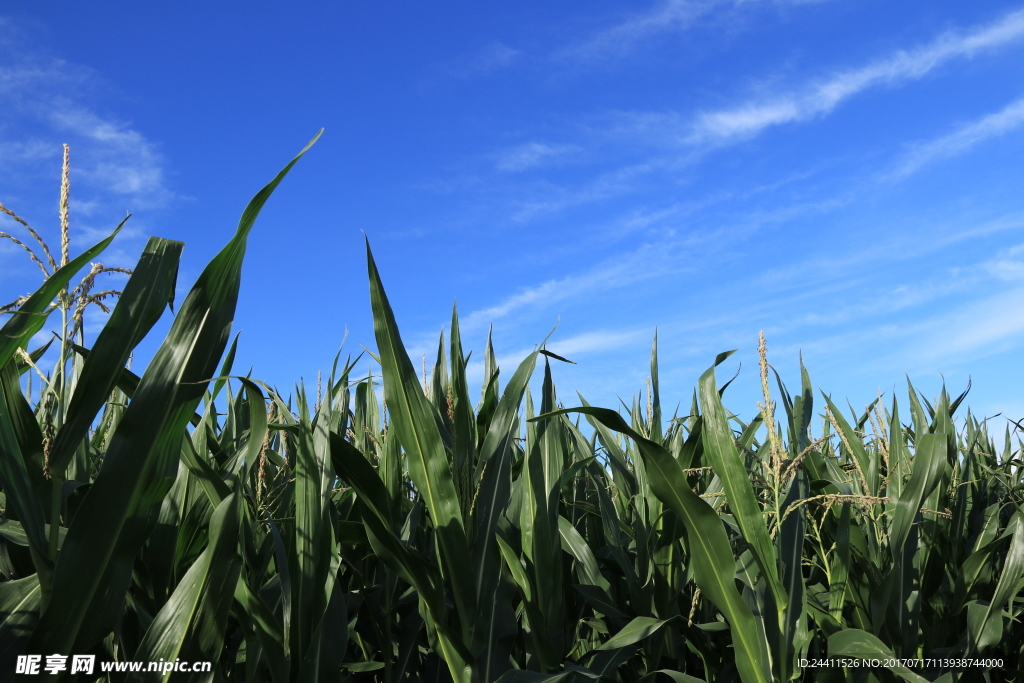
[
  {"x": 676, "y": 237},
  {"x": 573, "y": 348},
  {"x": 27, "y": 151},
  {"x": 121, "y": 160},
  {"x": 945, "y": 237},
  {"x": 49, "y": 102},
  {"x": 598, "y": 341},
  {"x": 645, "y": 262},
  {"x": 745, "y": 120},
  {"x": 531, "y": 155},
  {"x": 910, "y": 324},
  {"x": 964, "y": 138},
  {"x": 605, "y": 186},
  {"x": 114, "y": 168},
  {"x": 980, "y": 328},
  {"x": 667, "y": 15},
  {"x": 493, "y": 57},
  {"x": 1008, "y": 266},
  {"x": 904, "y": 243},
  {"x": 676, "y": 131},
  {"x": 547, "y": 292},
  {"x": 663, "y": 17},
  {"x": 496, "y": 56},
  {"x": 751, "y": 118}
]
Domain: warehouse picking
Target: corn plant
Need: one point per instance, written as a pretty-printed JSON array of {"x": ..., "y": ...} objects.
[{"x": 392, "y": 528}]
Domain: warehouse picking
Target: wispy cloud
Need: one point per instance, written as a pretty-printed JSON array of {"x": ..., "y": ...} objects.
[
  {"x": 50, "y": 102},
  {"x": 594, "y": 341},
  {"x": 574, "y": 348},
  {"x": 547, "y": 292},
  {"x": 750, "y": 118},
  {"x": 123, "y": 161},
  {"x": 497, "y": 55},
  {"x": 620, "y": 38},
  {"x": 982, "y": 327},
  {"x": 604, "y": 187},
  {"x": 963, "y": 139},
  {"x": 646, "y": 262},
  {"x": 598, "y": 341},
  {"x": 26, "y": 151},
  {"x": 878, "y": 299},
  {"x": 894, "y": 250},
  {"x": 664, "y": 17},
  {"x": 1007, "y": 266},
  {"x": 676, "y": 140},
  {"x": 531, "y": 155},
  {"x": 114, "y": 167},
  {"x": 493, "y": 57}
]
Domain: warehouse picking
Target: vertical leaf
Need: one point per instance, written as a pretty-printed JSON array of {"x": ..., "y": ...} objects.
[
  {"x": 192, "y": 624},
  {"x": 720, "y": 452},
  {"x": 710, "y": 552},
  {"x": 149, "y": 289},
  {"x": 416, "y": 423}
]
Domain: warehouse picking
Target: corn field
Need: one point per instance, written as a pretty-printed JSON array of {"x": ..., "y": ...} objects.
[{"x": 183, "y": 512}]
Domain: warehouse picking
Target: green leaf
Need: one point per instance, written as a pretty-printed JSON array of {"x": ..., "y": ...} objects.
[
  {"x": 412, "y": 566},
  {"x": 192, "y": 624},
  {"x": 31, "y": 315},
  {"x": 720, "y": 452},
  {"x": 94, "y": 569},
  {"x": 268, "y": 630},
  {"x": 576, "y": 546},
  {"x": 19, "y": 610},
  {"x": 676, "y": 676},
  {"x": 14, "y": 532},
  {"x": 464, "y": 424},
  {"x": 859, "y": 454},
  {"x": 149, "y": 289},
  {"x": 793, "y": 633},
  {"x": 492, "y": 500},
  {"x": 655, "y": 422},
  {"x": 416, "y": 423},
  {"x": 327, "y": 645},
  {"x": 988, "y": 631},
  {"x": 608, "y": 656},
  {"x": 544, "y": 652},
  {"x": 840, "y": 565},
  {"x": 17, "y": 486},
  {"x": 213, "y": 486},
  {"x": 314, "y": 534},
  {"x": 858, "y": 644},
  {"x": 710, "y": 552},
  {"x": 26, "y": 431},
  {"x": 928, "y": 463},
  {"x": 538, "y": 526},
  {"x": 521, "y": 676}
]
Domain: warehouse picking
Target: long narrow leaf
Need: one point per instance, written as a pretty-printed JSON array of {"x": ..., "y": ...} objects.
[
  {"x": 708, "y": 543},
  {"x": 192, "y": 624},
  {"x": 95, "y": 565},
  {"x": 417, "y": 426}
]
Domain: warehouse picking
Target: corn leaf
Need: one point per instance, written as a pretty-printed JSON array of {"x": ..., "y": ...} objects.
[
  {"x": 192, "y": 624},
  {"x": 711, "y": 554},
  {"x": 94, "y": 568}
]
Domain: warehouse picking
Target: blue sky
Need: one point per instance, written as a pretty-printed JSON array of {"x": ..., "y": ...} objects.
[{"x": 844, "y": 176}]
